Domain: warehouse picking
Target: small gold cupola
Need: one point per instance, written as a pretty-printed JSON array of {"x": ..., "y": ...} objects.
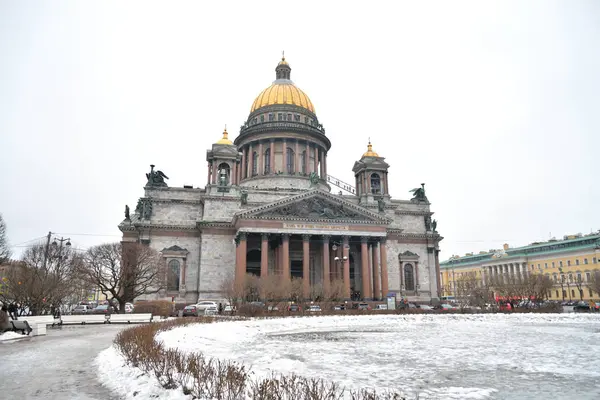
[
  {"x": 370, "y": 152},
  {"x": 225, "y": 139}
]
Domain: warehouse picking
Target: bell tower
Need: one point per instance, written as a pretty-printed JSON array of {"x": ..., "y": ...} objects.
[
  {"x": 223, "y": 165},
  {"x": 371, "y": 173}
]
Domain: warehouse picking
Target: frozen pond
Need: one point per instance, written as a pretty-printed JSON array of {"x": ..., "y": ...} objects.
[{"x": 494, "y": 356}]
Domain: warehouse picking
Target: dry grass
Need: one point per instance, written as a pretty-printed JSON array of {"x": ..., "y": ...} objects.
[{"x": 204, "y": 378}]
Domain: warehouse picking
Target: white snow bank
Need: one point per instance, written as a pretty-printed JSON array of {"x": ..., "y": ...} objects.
[
  {"x": 129, "y": 382},
  {"x": 11, "y": 336}
]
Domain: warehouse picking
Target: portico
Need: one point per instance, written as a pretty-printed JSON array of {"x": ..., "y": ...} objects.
[{"x": 318, "y": 238}]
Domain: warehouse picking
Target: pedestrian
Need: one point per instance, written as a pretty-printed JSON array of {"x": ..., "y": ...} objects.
[
  {"x": 4, "y": 321},
  {"x": 12, "y": 311},
  {"x": 220, "y": 308}
]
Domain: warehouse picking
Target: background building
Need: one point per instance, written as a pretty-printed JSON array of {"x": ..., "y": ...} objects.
[
  {"x": 267, "y": 209},
  {"x": 570, "y": 263}
]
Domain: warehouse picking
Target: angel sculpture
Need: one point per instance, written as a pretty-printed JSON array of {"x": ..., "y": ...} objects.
[
  {"x": 156, "y": 178},
  {"x": 419, "y": 193}
]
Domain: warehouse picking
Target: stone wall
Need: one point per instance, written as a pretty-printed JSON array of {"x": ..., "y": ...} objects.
[
  {"x": 220, "y": 210},
  {"x": 174, "y": 193},
  {"x": 426, "y": 268},
  {"x": 175, "y": 213},
  {"x": 218, "y": 263},
  {"x": 192, "y": 244}
]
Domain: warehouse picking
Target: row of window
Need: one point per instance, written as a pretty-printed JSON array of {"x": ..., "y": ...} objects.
[
  {"x": 560, "y": 263},
  {"x": 565, "y": 295},
  {"x": 284, "y": 117}
]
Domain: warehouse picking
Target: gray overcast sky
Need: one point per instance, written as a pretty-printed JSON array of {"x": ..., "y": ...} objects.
[{"x": 494, "y": 105}]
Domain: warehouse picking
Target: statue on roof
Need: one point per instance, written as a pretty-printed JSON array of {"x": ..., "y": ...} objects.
[
  {"x": 434, "y": 226},
  {"x": 127, "y": 216},
  {"x": 419, "y": 194},
  {"x": 156, "y": 178},
  {"x": 313, "y": 178}
]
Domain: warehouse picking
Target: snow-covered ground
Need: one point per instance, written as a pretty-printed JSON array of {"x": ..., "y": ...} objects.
[
  {"x": 11, "y": 336},
  {"x": 519, "y": 356}
]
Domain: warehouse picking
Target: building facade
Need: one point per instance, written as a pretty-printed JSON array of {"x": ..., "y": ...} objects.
[
  {"x": 570, "y": 263},
  {"x": 267, "y": 208}
]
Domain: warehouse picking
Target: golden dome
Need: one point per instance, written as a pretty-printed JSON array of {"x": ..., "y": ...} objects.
[
  {"x": 370, "y": 152},
  {"x": 224, "y": 139},
  {"x": 282, "y": 91}
]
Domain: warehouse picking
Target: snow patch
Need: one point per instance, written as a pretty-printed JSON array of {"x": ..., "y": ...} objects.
[
  {"x": 11, "y": 336},
  {"x": 130, "y": 382}
]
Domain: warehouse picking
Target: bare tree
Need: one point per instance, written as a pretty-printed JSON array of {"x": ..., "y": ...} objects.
[
  {"x": 251, "y": 288},
  {"x": 471, "y": 291},
  {"x": 45, "y": 279},
  {"x": 124, "y": 271},
  {"x": 272, "y": 289},
  {"x": 5, "y": 252},
  {"x": 579, "y": 285},
  {"x": 594, "y": 282},
  {"x": 230, "y": 290},
  {"x": 336, "y": 290}
]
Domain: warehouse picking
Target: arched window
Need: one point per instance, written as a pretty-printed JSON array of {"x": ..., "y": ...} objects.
[
  {"x": 289, "y": 160},
  {"x": 409, "y": 277},
  {"x": 303, "y": 162},
  {"x": 224, "y": 174},
  {"x": 268, "y": 161},
  {"x": 375, "y": 184},
  {"x": 173, "y": 275},
  {"x": 254, "y": 163}
]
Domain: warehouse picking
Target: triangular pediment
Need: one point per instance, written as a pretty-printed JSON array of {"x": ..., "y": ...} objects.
[{"x": 315, "y": 205}]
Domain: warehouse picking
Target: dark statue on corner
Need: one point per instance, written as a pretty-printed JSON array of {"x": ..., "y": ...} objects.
[
  {"x": 381, "y": 204},
  {"x": 127, "y": 216},
  {"x": 428, "y": 223},
  {"x": 156, "y": 178},
  {"x": 244, "y": 197},
  {"x": 313, "y": 178},
  {"x": 419, "y": 194},
  {"x": 144, "y": 209},
  {"x": 434, "y": 225}
]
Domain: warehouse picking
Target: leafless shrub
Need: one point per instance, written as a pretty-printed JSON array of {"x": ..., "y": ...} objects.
[{"x": 223, "y": 380}]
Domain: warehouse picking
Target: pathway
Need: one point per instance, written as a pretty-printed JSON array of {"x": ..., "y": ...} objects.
[{"x": 57, "y": 366}]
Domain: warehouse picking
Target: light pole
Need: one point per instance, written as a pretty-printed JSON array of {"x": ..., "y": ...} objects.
[{"x": 54, "y": 244}]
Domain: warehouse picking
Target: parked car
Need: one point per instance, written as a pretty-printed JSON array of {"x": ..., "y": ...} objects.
[
  {"x": 314, "y": 308},
  {"x": 582, "y": 306},
  {"x": 363, "y": 307},
  {"x": 294, "y": 308},
  {"x": 192, "y": 310},
  {"x": 426, "y": 307},
  {"x": 229, "y": 309},
  {"x": 447, "y": 307},
  {"x": 129, "y": 308},
  {"x": 104, "y": 309},
  {"x": 211, "y": 310},
  {"x": 381, "y": 307},
  {"x": 340, "y": 307},
  {"x": 81, "y": 310},
  {"x": 203, "y": 305},
  {"x": 272, "y": 308}
]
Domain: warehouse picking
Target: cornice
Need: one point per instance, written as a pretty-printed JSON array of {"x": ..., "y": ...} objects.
[
  {"x": 177, "y": 201},
  {"x": 222, "y": 198},
  {"x": 409, "y": 212},
  {"x": 214, "y": 224},
  {"x": 169, "y": 227}
]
